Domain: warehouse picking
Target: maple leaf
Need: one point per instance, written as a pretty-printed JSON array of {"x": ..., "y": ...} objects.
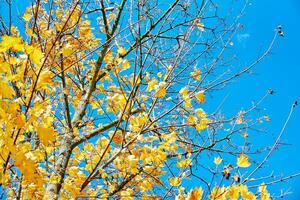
[
  {"x": 161, "y": 90},
  {"x": 184, "y": 91},
  {"x": 243, "y": 161},
  {"x": 184, "y": 163},
  {"x": 218, "y": 160},
  {"x": 122, "y": 51},
  {"x": 46, "y": 134},
  {"x": 174, "y": 181},
  {"x": 195, "y": 194},
  {"x": 200, "y": 96},
  {"x": 151, "y": 85}
]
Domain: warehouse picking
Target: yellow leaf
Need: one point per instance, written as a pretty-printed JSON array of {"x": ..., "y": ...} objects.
[
  {"x": 6, "y": 91},
  {"x": 184, "y": 91},
  {"x": 175, "y": 181},
  {"x": 58, "y": 13},
  {"x": 35, "y": 54},
  {"x": 159, "y": 74},
  {"x": 100, "y": 111},
  {"x": 245, "y": 194},
  {"x": 16, "y": 43},
  {"x": 243, "y": 161},
  {"x": 192, "y": 119},
  {"x": 184, "y": 163},
  {"x": 152, "y": 84},
  {"x": 54, "y": 178},
  {"x": 45, "y": 79},
  {"x": 248, "y": 196},
  {"x": 233, "y": 192},
  {"x": 133, "y": 164},
  {"x": 75, "y": 131},
  {"x": 46, "y": 135},
  {"x": 122, "y": 51},
  {"x": 202, "y": 125},
  {"x": 187, "y": 102},
  {"x": 118, "y": 137},
  {"x": 196, "y": 74},
  {"x": 136, "y": 122},
  {"x": 5, "y": 68},
  {"x": 161, "y": 90},
  {"x": 218, "y": 160},
  {"x": 201, "y": 27},
  {"x": 218, "y": 193},
  {"x": 27, "y": 15},
  {"x": 126, "y": 64},
  {"x": 29, "y": 31},
  {"x": 133, "y": 161},
  {"x": 88, "y": 147},
  {"x": 200, "y": 113},
  {"x": 267, "y": 118},
  {"x": 195, "y": 194},
  {"x": 200, "y": 96},
  {"x": 67, "y": 50},
  {"x": 265, "y": 195},
  {"x": 109, "y": 57},
  {"x": 20, "y": 121}
]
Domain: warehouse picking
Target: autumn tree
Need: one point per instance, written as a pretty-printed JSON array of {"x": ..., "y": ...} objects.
[{"x": 108, "y": 99}]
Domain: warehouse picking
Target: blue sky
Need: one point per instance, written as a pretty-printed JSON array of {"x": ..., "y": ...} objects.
[{"x": 279, "y": 71}]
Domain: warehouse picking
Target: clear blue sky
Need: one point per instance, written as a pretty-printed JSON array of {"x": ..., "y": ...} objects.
[{"x": 279, "y": 71}]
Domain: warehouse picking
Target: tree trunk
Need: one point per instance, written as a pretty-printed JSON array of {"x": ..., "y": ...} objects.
[{"x": 53, "y": 189}]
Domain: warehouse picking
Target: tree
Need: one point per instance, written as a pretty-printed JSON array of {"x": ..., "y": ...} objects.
[{"x": 107, "y": 99}]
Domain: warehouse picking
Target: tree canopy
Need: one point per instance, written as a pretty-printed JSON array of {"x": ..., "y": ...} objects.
[{"x": 110, "y": 99}]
